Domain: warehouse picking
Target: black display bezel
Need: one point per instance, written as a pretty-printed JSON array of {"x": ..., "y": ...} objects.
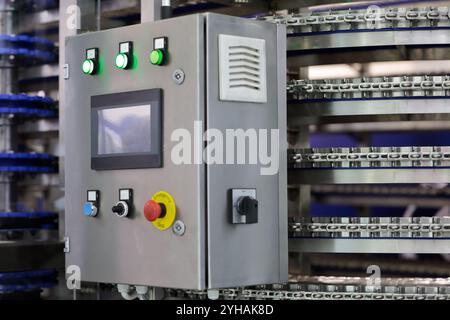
[{"x": 152, "y": 159}]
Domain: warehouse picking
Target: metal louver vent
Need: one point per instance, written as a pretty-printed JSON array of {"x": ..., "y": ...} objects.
[{"x": 242, "y": 69}]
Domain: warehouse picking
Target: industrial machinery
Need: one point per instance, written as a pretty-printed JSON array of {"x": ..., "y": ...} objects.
[
  {"x": 30, "y": 248},
  {"x": 358, "y": 208},
  {"x": 135, "y": 213}
]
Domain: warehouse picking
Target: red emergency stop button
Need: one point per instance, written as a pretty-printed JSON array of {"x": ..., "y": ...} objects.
[{"x": 154, "y": 210}]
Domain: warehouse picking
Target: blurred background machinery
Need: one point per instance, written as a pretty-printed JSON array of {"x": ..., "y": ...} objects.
[
  {"x": 368, "y": 104},
  {"x": 29, "y": 239}
]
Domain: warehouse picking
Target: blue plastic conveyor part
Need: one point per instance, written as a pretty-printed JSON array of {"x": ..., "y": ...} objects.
[
  {"x": 27, "y": 40},
  {"x": 26, "y": 98},
  {"x": 37, "y": 156},
  {"x": 27, "y": 106},
  {"x": 27, "y": 169},
  {"x": 25, "y": 287},
  {"x": 28, "y": 215},
  {"x": 28, "y": 163},
  {"x": 29, "y": 47},
  {"x": 27, "y": 274}
]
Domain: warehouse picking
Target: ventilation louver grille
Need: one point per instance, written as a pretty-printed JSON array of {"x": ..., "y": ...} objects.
[{"x": 242, "y": 69}]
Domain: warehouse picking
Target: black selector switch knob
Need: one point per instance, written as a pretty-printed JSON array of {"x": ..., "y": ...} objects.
[
  {"x": 248, "y": 207},
  {"x": 121, "y": 209}
]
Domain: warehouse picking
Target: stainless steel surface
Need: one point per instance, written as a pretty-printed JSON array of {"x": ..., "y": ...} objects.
[
  {"x": 303, "y": 113},
  {"x": 386, "y": 246},
  {"x": 150, "y": 10},
  {"x": 414, "y": 122},
  {"x": 113, "y": 263},
  {"x": 369, "y": 39},
  {"x": 41, "y": 20},
  {"x": 133, "y": 251},
  {"x": 253, "y": 252},
  {"x": 39, "y": 72},
  {"x": 365, "y": 176},
  {"x": 8, "y": 18}
]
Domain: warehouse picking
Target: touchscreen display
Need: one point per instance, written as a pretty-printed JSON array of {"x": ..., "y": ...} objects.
[{"x": 124, "y": 130}]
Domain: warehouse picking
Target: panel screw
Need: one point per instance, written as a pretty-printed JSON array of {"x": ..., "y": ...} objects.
[
  {"x": 179, "y": 228},
  {"x": 178, "y": 76}
]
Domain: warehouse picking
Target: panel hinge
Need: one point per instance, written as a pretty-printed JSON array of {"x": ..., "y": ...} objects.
[
  {"x": 66, "y": 244},
  {"x": 66, "y": 71}
]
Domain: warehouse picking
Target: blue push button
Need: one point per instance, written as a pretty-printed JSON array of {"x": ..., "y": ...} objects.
[{"x": 90, "y": 210}]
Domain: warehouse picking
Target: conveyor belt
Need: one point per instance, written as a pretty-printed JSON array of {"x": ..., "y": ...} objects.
[
  {"x": 366, "y": 28},
  {"x": 33, "y": 49},
  {"x": 28, "y": 163},
  {"x": 363, "y": 20},
  {"x": 334, "y": 288},
  {"x": 371, "y": 227},
  {"x": 370, "y": 157},
  {"x": 370, "y": 88},
  {"x": 27, "y": 106},
  {"x": 368, "y": 97}
]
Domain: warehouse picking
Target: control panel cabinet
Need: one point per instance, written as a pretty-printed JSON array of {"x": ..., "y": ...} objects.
[{"x": 144, "y": 205}]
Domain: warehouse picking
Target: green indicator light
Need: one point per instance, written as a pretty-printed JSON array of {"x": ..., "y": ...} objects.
[
  {"x": 156, "y": 57},
  {"x": 88, "y": 66},
  {"x": 122, "y": 61}
]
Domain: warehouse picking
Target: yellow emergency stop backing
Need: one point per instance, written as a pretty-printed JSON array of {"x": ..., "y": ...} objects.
[{"x": 167, "y": 221}]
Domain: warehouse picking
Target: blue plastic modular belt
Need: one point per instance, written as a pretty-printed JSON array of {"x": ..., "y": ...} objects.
[
  {"x": 27, "y": 274},
  {"x": 28, "y": 215},
  {"x": 26, "y": 98},
  {"x": 27, "y": 169},
  {"x": 29, "y": 112},
  {"x": 34, "y": 54},
  {"x": 26, "y": 163},
  {"x": 25, "y": 287},
  {"x": 31, "y": 156},
  {"x": 27, "y": 106},
  {"x": 27, "y": 40}
]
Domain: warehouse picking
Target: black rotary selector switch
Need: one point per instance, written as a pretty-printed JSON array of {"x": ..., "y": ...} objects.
[
  {"x": 118, "y": 209},
  {"x": 248, "y": 207},
  {"x": 121, "y": 209}
]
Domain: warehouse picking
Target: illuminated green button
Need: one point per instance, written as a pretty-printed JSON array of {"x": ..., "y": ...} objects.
[
  {"x": 122, "y": 61},
  {"x": 157, "y": 57},
  {"x": 88, "y": 66}
]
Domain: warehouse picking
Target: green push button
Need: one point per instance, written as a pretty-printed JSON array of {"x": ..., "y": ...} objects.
[
  {"x": 88, "y": 66},
  {"x": 157, "y": 57},
  {"x": 122, "y": 61}
]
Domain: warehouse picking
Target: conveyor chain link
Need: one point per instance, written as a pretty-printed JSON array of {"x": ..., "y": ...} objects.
[
  {"x": 372, "y": 18},
  {"x": 370, "y": 227},
  {"x": 333, "y": 288},
  {"x": 370, "y": 157},
  {"x": 366, "y": 88}
]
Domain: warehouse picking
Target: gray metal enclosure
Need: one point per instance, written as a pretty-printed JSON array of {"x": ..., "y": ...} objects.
[{"x": 213, "y": 252}]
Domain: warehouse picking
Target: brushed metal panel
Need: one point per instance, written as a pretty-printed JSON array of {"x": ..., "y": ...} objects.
[
  {"x": 240, "y": 255},
  {"x": 131, "y": 251}
]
